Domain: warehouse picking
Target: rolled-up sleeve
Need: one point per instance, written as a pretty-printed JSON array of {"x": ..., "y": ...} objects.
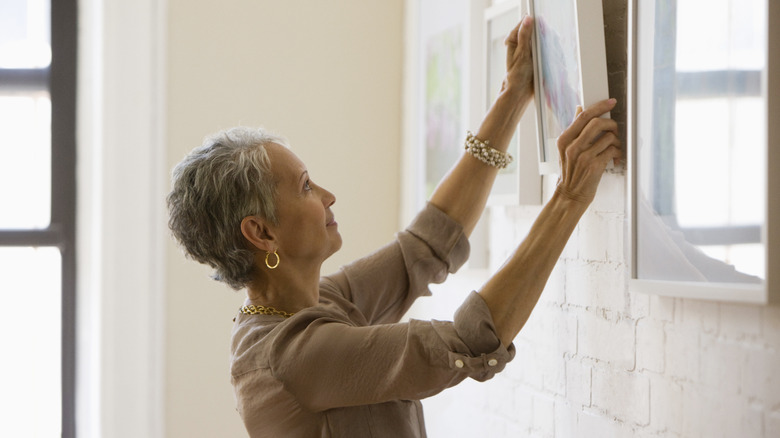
[
  {"x": 384, "y": 284},
  {"x": 327, "y": 362},
  {"x": 351, "y": 350},
  {"x": 486, "y": 355}
]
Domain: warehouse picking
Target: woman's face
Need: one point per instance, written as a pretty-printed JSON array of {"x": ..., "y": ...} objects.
[{"x": 307, "y": 230}]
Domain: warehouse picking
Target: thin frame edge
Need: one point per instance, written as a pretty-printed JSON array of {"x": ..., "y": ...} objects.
[{"x": 773, "y": 154}]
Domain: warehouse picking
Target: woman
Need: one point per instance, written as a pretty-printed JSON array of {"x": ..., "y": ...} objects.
[{"x": 326, "y": 356}]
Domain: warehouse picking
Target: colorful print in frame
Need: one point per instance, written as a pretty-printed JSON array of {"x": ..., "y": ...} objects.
[{"x": 570, "y": 67}]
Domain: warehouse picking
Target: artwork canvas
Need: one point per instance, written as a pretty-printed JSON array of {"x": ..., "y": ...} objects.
[
  {"x": 437, "y": 95},
  {"x": 455, "y": 61},
  {"x": 570, "y": 67},
  {"x": 443, "y": 105}
]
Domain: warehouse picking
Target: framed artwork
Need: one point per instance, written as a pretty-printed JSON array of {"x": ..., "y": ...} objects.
[
  {"x": 455, "y": 60},
  {"x": 436, "y": 96},
  {"x": 570, "y": 68},
  {"x": 703, "y": 166},
  {"x": 444, "y": 60}
]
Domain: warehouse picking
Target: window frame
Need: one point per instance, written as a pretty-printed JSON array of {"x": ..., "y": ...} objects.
[
  {"x": 60, "y": 81},
  {"x": 123, "y": 178},
  {"x": 769, "y": 291}
]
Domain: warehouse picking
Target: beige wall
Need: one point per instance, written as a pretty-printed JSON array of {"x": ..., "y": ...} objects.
[{"x": 327, "y": 75}]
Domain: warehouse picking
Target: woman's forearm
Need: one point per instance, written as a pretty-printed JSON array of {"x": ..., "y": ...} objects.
[
  {"x": 513, "y": 291},
  {"x": 463, "y": 192},
  {"x": 585, "y": 148}
]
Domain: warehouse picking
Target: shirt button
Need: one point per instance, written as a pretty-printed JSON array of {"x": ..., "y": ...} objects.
[
  {"x": 492, "y": 362},
  {"x": 459, "y": 363}
]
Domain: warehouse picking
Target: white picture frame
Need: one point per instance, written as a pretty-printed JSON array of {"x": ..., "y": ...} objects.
[
  {"x": 424, "y": 18},
  {"x": 429, "y": 25},
  {"x": 570, "y": 68},
  {"x": 668, "y": 273}
]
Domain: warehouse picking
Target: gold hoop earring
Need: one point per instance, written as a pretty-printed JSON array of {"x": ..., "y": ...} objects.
[{"x": 268, "y": 254}]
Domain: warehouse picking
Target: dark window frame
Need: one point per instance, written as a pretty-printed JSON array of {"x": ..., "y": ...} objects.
[{"x": 60, "y": 80}]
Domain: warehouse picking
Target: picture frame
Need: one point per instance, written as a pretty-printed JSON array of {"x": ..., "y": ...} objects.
[
  {"x": 703, "y": 209},
  {"x": 425, "y": 19},
  {"x": 437, "y": 114},
  {"x": 570, "y": 68}
]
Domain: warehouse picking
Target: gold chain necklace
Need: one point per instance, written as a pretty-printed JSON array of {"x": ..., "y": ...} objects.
[{"x": 264, "y": 310}]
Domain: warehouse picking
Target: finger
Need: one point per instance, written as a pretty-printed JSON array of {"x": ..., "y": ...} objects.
[
  {"x": 593, "y": 144},
  {"x": 511, "y": 44},
  {"x": 598, "y": 135},
  {"x": 612, "y": 153},
  {"x": 520, "y": 39},
  {"x": 511, "y": 38},
  {"x": 525, "y": 31},
  {"x": 596, "y": 128},
  {"x": 579, "y": 123},
  {"x": 603, "y": 143},
  {"x": 519, "y": 36},
  {"x": 594, "y": 131}
]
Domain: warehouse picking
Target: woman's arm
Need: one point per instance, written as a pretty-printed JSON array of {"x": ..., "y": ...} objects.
[
  {"x": 463, "y": 192},
  {"x": 585, "y": 148},
  {"x": 385, "y": 283}
]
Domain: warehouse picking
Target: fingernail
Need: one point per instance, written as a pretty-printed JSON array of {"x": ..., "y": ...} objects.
[{"x": 612, "y": 100}]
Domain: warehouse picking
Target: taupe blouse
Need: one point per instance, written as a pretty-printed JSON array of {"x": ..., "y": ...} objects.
[{"x": 347, "y": 367}]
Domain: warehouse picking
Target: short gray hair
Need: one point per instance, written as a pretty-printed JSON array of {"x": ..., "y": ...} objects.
[{"x": 215, "y": 187}]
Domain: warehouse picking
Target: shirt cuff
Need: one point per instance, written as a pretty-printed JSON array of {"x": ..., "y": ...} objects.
[{"x": 474, "y": 326}]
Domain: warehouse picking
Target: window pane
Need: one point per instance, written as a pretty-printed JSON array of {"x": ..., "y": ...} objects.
[
  {"x": 25, "y": 40},
  {"x": 720, "y": 182},
  {"x": 30, "y": 333},
  {"x": 25, "y": 170},
  {"x": 701, "y": 136},
  {"x": 720, "y": 34}
]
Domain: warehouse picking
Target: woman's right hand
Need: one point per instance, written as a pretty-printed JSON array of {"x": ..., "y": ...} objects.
[{"x": 585, "y": 149}]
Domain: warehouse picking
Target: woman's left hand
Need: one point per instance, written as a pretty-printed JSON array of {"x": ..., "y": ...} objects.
[
  {"x": 519, "y": 62},
  {"x": 585, "y": 148}
]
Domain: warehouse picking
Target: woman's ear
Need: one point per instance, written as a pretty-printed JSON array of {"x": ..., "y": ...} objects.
[{"x": 256, "y": 232}]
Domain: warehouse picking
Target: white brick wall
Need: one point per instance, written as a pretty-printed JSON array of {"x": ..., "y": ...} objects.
[{"x": 597, "y": 361}]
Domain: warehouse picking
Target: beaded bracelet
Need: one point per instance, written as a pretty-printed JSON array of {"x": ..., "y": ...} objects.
[{"x": 480, "y": 150}]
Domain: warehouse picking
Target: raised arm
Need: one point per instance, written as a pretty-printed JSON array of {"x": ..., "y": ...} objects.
[
  {"x": 463, "y": 192},
  {"x": 585, "y": 149}
]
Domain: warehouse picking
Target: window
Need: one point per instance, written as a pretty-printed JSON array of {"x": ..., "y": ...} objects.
[
  {"x": 37, "y": 219},
  {"x": 700, "y": 169},
  {"x": 708, "y": 74}
]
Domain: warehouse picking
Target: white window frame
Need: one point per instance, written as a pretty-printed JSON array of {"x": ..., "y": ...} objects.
[{"x": 121, "y": 227}]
